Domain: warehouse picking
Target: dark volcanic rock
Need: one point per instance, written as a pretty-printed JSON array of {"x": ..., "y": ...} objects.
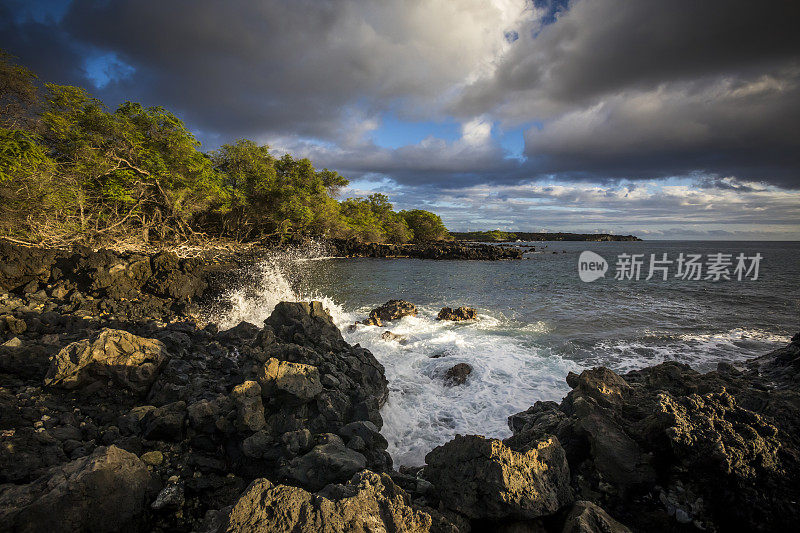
[
  {"x": 482, "y": 478},
  {"x": 586, "y": 517},
  {"x": 441, "y": 250},
  {"x": 457, "y": 315},
  {"x": 458, "y": 374},
  {"x": 369, "y": 502},
  {"x": 392, "y": 310},
  {"x": 667, "y": 446},
  {"x": 112, "y": 355},
  {"x": 105, "y": 491}
]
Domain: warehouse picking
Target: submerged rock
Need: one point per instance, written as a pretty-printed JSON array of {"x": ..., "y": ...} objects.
[
  {"x": 483, "y": 478},
  {"x": 458, "y": 374},
  {"x": 389, "y": 336},
  {"x": 457, "y": 315}
]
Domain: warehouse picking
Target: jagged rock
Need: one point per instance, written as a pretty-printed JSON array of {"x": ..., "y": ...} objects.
[
  {"x": 457, "y": 315},
  {"x": 296, "y": 379},
  {"x": 128, "y": 360},
  {"x": 458, "y": 374},
  {"x": 392, "y": 310},
  {"x": 15, "y": 326},
  {"x": 13, "y": 342},
  {"x": 368, "y": 503},
  {"x": 165, "y": 423},
  {"x": 249, "y": 409},
  {"x": 258, "y": 444},
  {"x": 482, "y": 478},
  {"x": 713, "y": 431},
  {"x": 326, "y": 463},
  {"x": 106, "y": 491},
  {"x": 586, "y": 517}
]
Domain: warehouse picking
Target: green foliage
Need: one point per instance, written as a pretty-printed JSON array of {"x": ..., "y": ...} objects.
[
  {"x": 486, "y": 236},
  {"x": 373, "y": 219},
  {"x": 425, "y": 226},
  {"x": 72, "y": 169},
  {"x": 21, "y": 156}
]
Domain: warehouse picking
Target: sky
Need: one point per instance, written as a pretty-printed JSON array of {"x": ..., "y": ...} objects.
[{"x": 667, "y": 120}]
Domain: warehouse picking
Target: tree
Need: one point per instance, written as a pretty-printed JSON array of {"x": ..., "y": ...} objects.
[
  {"x": 425, "y": 226},
  {"x": 18, "y": 93}
]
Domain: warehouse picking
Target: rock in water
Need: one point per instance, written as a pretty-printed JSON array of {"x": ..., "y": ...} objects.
[
  {"x": 128, "y": 360},
  {"x": 392, "y": 310},
  {"x": 105, "y": 491},
  {"x": 457, "y": 315},
  {"x": 482, "y": 478},
  {"x": 586, "y": 517},
  {"x": 389, "y": 336},
  {"x": 458, "y": 374},
  {"x": 369, "y": 502}
]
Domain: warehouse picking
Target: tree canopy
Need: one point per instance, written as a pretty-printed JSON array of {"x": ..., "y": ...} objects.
[{"x": 73, "y": 170}]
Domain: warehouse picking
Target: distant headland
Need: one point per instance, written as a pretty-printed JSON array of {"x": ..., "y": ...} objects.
[{"x": 505, "y": 236}]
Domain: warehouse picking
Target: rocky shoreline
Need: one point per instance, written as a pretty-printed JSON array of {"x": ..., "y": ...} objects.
[
  {"x": 436, "y": 250},
  {"x": 121, "y": 411}
]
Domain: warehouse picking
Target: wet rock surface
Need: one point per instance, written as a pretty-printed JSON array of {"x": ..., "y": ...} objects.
[
  {"x": 458, "y": 314},
  {"x": 666, "y": 447},
  {"x": 120, "y": 412}
]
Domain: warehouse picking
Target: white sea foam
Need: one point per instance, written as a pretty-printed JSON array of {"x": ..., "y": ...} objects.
[
  {"x": 701, "y": 351},
  {"x": 512, "y": 365},
  {"x": 422, "y": 411}
]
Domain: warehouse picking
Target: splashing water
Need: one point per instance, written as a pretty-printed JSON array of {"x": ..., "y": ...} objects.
[
  {"x": 536, "y": 326},
  {"x": 422, "y": 410}
]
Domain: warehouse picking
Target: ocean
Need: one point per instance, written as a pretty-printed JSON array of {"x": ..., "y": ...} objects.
[{"x": 537, "y": 322}]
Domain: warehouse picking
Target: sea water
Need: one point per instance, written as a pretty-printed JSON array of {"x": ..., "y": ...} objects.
[{"x": 537, "y": 321}]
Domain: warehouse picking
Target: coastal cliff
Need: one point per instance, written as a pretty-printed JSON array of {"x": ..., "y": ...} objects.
[{"x": 121, "y": 411}]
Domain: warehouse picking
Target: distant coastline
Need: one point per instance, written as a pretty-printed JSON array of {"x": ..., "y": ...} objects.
[{"x": 504, "y": 236}]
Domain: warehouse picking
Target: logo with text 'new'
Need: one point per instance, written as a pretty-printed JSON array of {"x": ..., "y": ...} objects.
[{"x": 591, "y": 266}]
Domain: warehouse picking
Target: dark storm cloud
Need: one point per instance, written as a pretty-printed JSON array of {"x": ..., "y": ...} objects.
[
  {"x": 650, "y": 88},
  {"x": 617, "y": 90}
]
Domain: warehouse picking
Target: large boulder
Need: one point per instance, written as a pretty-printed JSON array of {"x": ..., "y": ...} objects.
[
  {"x": 392, "y": 310},
  {"x": 127, "y": 360},
  {"x": 326, "y": 463},
  {"x": 482, "y": 478},
  {"x": 457, "y": 315},
  {"x": 369, "y": 502},
  {"x": 298, "y": 380},
  {"x": 105, "y": 491},
  {"x": 586, "y": 517}
]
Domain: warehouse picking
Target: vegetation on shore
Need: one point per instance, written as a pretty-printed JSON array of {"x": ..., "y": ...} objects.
[{"x": 72, "y": 170}]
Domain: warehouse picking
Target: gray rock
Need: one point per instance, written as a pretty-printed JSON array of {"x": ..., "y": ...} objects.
[
  {"x": 249, "y": 409},
  {"x": 368, "y": 503},
  {"x": 324, "y": 464},
  {"x": 586, "y": 517},
  {"x": 128, "y": 360},
  {"x": 482, "y": 478},
  {"x": 299, "y": 380},
  {"x": 105, "y": 491}
]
